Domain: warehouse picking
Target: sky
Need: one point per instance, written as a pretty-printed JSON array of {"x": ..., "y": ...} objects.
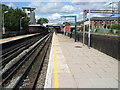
[{"x": 54, "y": 10}]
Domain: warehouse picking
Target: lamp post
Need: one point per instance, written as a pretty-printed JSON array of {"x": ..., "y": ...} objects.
[
  {"x": 20, "y": 23},
  {"x": 89, "y": 29},
  {"x": 86, "y": 23},
  {"x": 4, "y": 21}
]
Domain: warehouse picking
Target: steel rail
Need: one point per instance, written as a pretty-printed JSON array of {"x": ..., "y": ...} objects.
[
  {"x": 40, "y": 66},
  {"x": 14, "y": 66},
  {"x": 18, "y": 83},
  {"x": 18, "y": 51},
  {"x": 9, "y": 51}
]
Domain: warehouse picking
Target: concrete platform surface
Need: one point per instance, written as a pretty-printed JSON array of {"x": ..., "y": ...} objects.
[
  {"x": 72, "y": 65},
  {"x": 14, "y": 38}
]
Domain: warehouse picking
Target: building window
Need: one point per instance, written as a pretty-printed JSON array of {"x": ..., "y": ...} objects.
[
  {"x": 101, "y": 22},
  {"x": 119, "y": 22},
  {"x": 96, "y": 22},
  {"x": 112, "y": 22},
  {"x": 106, "y": 22},
  {"x": 109, "y": 22},
  {"x": 28, "y": 13}
]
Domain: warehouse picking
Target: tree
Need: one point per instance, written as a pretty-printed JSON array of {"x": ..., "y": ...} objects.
[
  {"x": 12, "y": 18},
  {"x": 115, "y": 26},
  {"x": 81, "y": 28},
  {"x": 108, "y": 26},
  {"x": 42, "y": 20}
]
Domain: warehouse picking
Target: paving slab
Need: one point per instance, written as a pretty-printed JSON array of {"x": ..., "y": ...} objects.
[{"x": 81, "y": 67}]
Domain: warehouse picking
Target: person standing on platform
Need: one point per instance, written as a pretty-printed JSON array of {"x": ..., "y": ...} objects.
[
  {"x": 67, "y": 28},
  {"x": 55, "y": 31},
  {"x": 71, "y": 33}
]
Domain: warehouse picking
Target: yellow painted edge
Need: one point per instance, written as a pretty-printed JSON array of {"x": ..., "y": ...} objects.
[{"x": 56, "y": 85}]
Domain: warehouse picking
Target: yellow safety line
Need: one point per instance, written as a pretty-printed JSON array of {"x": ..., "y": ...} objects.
[{"x": 55, "y": 65}]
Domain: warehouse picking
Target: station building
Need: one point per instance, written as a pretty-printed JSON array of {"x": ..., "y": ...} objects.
[{"x": 30, "y": 13}]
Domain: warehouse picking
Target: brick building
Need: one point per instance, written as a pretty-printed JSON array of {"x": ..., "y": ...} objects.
[{"x": 102, "y": 22}]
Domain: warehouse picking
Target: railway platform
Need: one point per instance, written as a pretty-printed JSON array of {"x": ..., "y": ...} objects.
[
  {"x": 15, "y": 38},
  {"x": 72, "y": 65}
]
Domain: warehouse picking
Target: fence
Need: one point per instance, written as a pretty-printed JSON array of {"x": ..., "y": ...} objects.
[{"x": 107, "y": 44}]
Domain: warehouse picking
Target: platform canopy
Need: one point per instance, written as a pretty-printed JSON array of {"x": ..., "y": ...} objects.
[
  {"x": 51, "y": 24},
  {"x": 35, "y": 25}
]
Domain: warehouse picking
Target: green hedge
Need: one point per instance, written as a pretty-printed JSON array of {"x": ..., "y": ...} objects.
[{"x": 115, "y": 26}]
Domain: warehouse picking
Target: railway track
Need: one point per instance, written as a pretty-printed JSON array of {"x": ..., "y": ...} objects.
[
  {"x": 23, "y": 72},
  {"x": 15, "y": 45},
  {"x": 9, "y": 55}
]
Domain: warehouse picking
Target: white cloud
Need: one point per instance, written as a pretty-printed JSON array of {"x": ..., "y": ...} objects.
[
  {"x": 54, "y": 16},
  {"x": 96, "y": 15},
  {"x": 60, "y": 8},
  {"x": 54, "y": 0},
  {"x": 11, "y": 5},
  {"x": 46, "y": 8},
  {"x": 51, "y": 8},
  {"x": 95, "y": 6},
  {"x": 79, "y": 1},
  {"x": 68, "y": 9},
  {"x": 56, "y": 9},
  {"x": 82, "y": 6},
  {"x": 37, "y": 17},
  {"x": 81, "y": 13},
  {"x": 59, "y": 0}
]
